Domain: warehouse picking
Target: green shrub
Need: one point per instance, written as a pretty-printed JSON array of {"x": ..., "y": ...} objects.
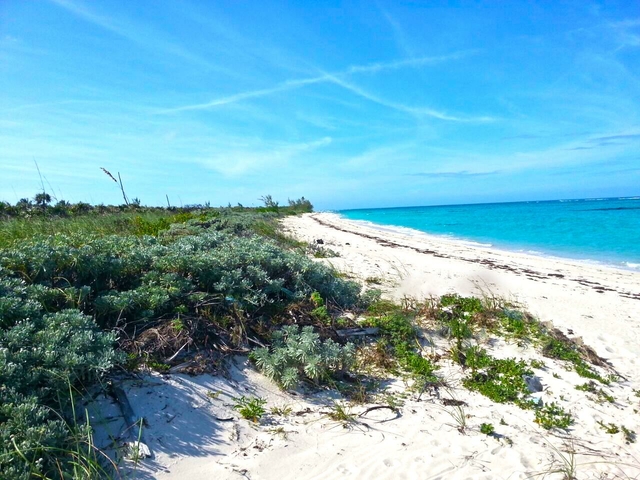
[
  {"x": 41, "y": 359},
  {"x": 487, "y": 429},
  {"x": 398, "y": 330},
  {"x": 458, "y": 305},
  {"x": 553, "y": 416},
  {"x": 300, "y": 354},
  {"x": 209, "y": 268},
  {"x": 564, "y": 350},
  {"x": 131, "y": 278},
  {"x": 501, "y": 380}
]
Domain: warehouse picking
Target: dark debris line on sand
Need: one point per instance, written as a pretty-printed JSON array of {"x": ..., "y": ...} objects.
[{"x": 531, "y": 274}]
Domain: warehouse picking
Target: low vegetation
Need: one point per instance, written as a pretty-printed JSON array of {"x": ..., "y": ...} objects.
[
  {"x": 251, "y": 408},
  {"x": 300, "y": 354},
  {"x": 84, "y": 289},
  {"x": 79, "y": 296}
]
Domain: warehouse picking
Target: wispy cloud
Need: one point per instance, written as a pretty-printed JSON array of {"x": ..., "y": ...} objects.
[
  {"x": 260, "y": 158},
  {"x": 622, "y": 137},
  {"x": 625, "y": 34},
  {"x": 417, "y": 111},
  {"x": 323, "y": 78},
  {"x": 607, "y": 141},
  {"x": 405, "y": 47},
  {"x": 409, "y": 62},
  {"x": 461, "y": 174},
  {"x": 263, "y": 92},
  {"x": 524, "y": 136},
  {"x": 139, "y": 34},
  {"x": 338, "y": 79}
]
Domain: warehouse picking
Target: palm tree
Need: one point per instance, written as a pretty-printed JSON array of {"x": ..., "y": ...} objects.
[{"x": 42, "y": 199}]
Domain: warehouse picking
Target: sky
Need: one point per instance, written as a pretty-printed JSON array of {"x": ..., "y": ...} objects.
[{"x": 351, "y": 104}]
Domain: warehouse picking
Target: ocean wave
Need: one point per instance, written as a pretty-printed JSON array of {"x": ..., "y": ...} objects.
[
  {"x": 474, "y": 244},
  {"x": 635, "y": 266}
]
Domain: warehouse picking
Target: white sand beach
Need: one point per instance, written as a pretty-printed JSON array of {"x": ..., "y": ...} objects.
[{"x": 194, "y": 432}]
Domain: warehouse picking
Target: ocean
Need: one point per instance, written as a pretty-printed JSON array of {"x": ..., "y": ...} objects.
[{"x": 605, "y": 231}]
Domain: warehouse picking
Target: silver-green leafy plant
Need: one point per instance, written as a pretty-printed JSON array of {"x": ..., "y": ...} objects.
[{"x": 297, "y": 354}]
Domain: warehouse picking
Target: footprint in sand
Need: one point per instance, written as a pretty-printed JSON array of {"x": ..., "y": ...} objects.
[
  {"x": 389, "y": 462},
  {"x": 344, "y": 469}
]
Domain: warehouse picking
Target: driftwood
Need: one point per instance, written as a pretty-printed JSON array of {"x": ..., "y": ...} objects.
[
  {"x": 357, "y": 332},
  {"x": 137, "y": 448},
  {"x": 382, "y": 407}
]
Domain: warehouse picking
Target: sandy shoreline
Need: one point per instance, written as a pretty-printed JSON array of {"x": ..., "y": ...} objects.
[
  {"x": 194, "y": 432},
  {"x": 601, "y": 304}
]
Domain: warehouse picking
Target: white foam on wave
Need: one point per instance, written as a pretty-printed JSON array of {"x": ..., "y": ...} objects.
[
  {"x": 412, "y": 232},
  {"x": 388, "y": 228},
  {"x": 475, "y": 244}
]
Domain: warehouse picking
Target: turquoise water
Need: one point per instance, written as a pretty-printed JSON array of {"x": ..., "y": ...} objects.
[{"x": 600, "y": 230}]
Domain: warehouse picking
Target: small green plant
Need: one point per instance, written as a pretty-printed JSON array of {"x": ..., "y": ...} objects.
[
  {"x": 610, "y": 428},
  {"x": 279, "y": 431},
  {"x": 564, "y": 350},
  {"x": 177, "y": 325},
  {"x": 601, "y": 395},
  {"x": 537, "y": 364},
  {"x": 321, "y": 315},
  {"x": 629, "y": 435},
  {"x": 459, "y": 305},
  {"x": 374, "y": 280},
  {"x": 159, "y": 367},
  {"x": 342, "y": 414},
  {"x": 321, "y": 252},
  {"x": 251, "y": 408},
  {"x": 320, "y": 312},
  {"x": 459, "y": 415},
  {"x": 459, "y": 330},
  {"x": 553, "y": 416},
  {"x": 316, "y": 299},
  {"x": 296, "y": 354},
  {"x": 487, "y": 429},
  {"x": 283, "y": 411}
]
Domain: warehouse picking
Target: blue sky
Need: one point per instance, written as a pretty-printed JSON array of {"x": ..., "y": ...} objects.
[{"x": 351, "y": 104}]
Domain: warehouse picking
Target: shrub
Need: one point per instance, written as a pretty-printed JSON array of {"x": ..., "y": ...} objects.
[
  {"x": 300, "y": 354},
  {"x": 501, "y": 380},
  {"x": 130, "y": 278},
  {"x": 553, "y": 416},
  {"x": 211, "y": 269},
  {"x": 487, "y": 429},
  {"x": 41, "y": 359},
  {"x": 398, "y": 330}
]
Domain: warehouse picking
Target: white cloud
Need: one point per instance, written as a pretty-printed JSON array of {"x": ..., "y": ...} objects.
[{"x": 259, "y": 158}]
